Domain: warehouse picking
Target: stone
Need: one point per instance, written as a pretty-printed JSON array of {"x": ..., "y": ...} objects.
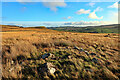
[
  {"x": 52, "y": 55},
  {"x": 52, "y": 70},
  {"x": 11, "y": 69},
  {"x": 76, "y": 48},
  {"x": 107, "y": 35},
  {"x": 50, "y": 67},
  {"x": 46, "y": 55},
  {"x": 69, "y": 57},
  {"x": 90, "y": 70},
  {"x": 87, "y": 52},
  {"x": 12, "y": 62},
  {"x": 81, "y": 49}
]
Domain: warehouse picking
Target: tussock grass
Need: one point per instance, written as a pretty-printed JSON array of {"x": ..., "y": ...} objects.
[{"x": 22, "y": 50}]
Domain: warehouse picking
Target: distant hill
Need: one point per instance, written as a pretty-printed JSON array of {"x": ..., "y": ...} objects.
[
  {"x": 20, "y": 28},
  {"x": 41, "y": 27},
  {"x": 89, "y": 29}
]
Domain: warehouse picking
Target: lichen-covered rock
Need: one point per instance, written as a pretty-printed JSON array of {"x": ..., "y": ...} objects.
[
  {"x": 52, "y": 70},
  {"x": 50, "y": 67}
]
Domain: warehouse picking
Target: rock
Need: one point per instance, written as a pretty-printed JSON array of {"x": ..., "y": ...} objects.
[
  {"x": 69, "y": 57},
  {"x": 76, "y": 48},
  {"x": 87, "y": 52},
  {"x": 11, "y": 69},
  {"x": 46, "y": 55},
  {"x": 93, "y": 54},
  {"x": 107, "y": 35},
  {"x": 52, "y": 70},
  {"x": 12, "y": 62},
  {"x": 81, "y": 49},
  {"x": 50, "y": 67},
  {"x": 90, "y": 70},
  {"x": 95, "y": 60},
  {"x": 52, "y": 55}
]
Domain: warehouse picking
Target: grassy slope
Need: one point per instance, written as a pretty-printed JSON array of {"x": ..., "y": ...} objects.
[
  {"x": 89, "y": 29},
  {"x": 26, "y": 46}
]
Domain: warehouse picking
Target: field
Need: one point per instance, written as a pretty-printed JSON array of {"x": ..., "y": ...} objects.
[
  {"x": 89, "y": 29},
  {"x": 83, "y": 56}
]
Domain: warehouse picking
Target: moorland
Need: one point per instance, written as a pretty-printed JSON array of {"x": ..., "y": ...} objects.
[{"x": 41, "y": 53}]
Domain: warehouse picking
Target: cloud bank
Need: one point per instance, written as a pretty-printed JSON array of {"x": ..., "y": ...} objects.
[
  {"x": 115, "y": 5},
  {"x": 93, "y": 15},
  {"x": 53, "y": 5},
  {"x": 82, "y": 11}
]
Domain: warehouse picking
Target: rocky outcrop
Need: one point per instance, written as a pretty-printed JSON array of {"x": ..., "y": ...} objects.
[{"x": 49, "y": 67}]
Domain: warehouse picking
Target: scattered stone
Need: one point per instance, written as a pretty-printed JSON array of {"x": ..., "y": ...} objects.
[
  {"x": 76, "y": 48},
  {"x": 107, "y": 35},
  {"x": 95, "y": 60},
  {"x": 69, "y": 57},
  {"x": 50, "y": 67},
  {"x": 81, "y": 49},
  {"x": 12, "y": 62},
  {"x": 11, "y": 69},
  {"x": 52, "y": 70},
  {"x": 90, "y": 70},
  {"x": 87, "y": 52},
  {"x": 52, "y": 55},
  {"x": 46, "y": 55}
]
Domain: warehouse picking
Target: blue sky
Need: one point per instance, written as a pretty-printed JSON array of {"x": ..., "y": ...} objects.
[{"x": 59, "y": 13}]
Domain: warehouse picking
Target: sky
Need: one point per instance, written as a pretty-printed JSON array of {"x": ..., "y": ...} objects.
[{"x": 54, "y": 14}]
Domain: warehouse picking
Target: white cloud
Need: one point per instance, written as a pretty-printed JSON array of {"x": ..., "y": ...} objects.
[
  {"x": 94, "y": 16},
  {"x": 98, "y": 9},
  {"x": 66, "y": 18},
  {"x": 24, "y": 0},
  {"x": 86, "y": 23},
  {"x": 115, "y": 5},
  {"x": 53, "y": 5},
  {"x": 91, "y": 4},
  {"x": 82, "y": 11},
  {"x": 47, "y": 3}
]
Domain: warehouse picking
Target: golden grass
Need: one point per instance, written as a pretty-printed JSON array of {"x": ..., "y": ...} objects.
[{"x": 32, "y": 43}]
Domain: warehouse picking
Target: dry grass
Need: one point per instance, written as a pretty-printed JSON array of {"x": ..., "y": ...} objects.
[{"x": 20, "y": 44}]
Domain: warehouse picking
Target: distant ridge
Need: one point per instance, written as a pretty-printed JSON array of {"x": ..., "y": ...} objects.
[
  {"x": 113, "y": 28},
  {"x": 20, "y": 28}
]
